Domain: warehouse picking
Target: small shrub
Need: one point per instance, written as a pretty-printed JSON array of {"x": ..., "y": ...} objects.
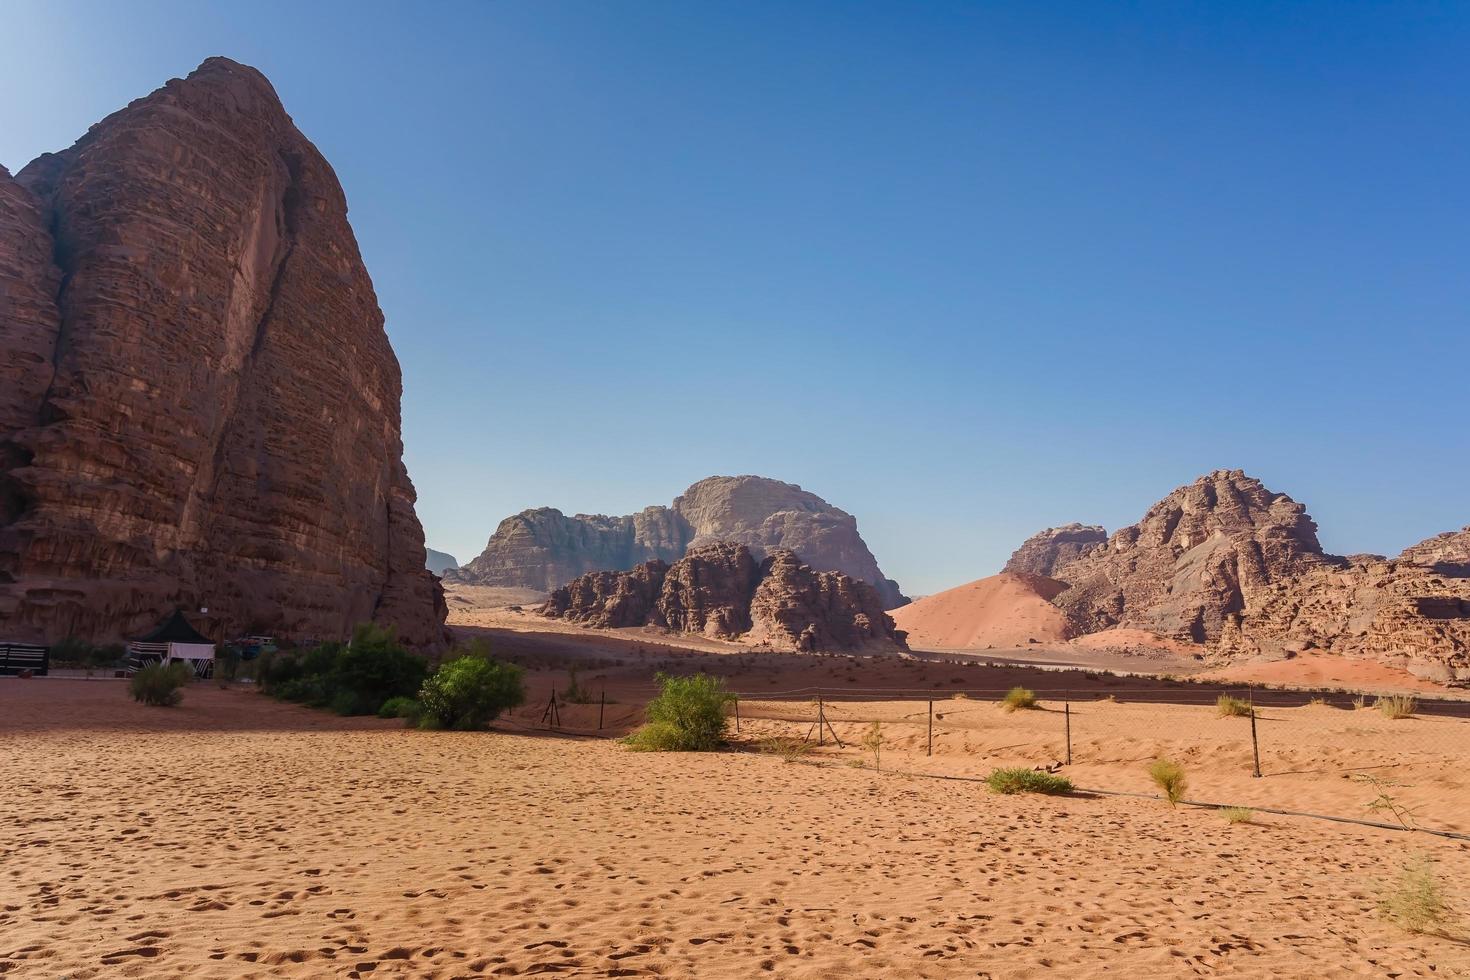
[
  {"x": 1169, "y": 777},
  {"x": 575, "y": 692},
  {"x": 873, "y": 742},
  {"x": 1022, "y": 780},
  {"x": 959, "y": 696},
  {"x": 407, "y": 708},
  {"x": 1237, "y": 814},
  {"x": 687, "y": 716},
  {"x": 1397, "y": 706},
  {"x": 1415, "y": 901},
  {"x": 784, "y": 747},
  {"x": 1232, "y": 707},
  {"x": 160, "y": 685},
  {"x": 226, "y": 664},
  {"x": 71, "y": 652},
  {"x": 1359, "y": 703},
  {"x": 468, "y": 693},
  {"x": 1019, "y": 698}
]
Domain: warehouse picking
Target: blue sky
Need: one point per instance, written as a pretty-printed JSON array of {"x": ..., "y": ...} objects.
[{"x": 964, "y": 270}]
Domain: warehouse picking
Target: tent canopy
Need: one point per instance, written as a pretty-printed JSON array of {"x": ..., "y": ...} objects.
[{"x": 175, "y": 630}]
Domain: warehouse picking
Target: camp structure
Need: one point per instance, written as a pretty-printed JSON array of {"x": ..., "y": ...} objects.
[{"x": 172, "y": 642}]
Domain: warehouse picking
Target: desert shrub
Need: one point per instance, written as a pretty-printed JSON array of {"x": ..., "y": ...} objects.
[
  {"x": 407, "y": 708},
  {"x": 1415, "y": 901},
  {"x": 1022, "y": 780},
  {"x": 1359, "y": 703},
  {"x": 469, "y": 692},
  {"x": 575, "y": 692},
  {"x": 1237, "y": 814},
  {"x": 351, "y": 680},
  {"x": 1397, "y": 706},
  {"x": 1232, "y": 707},
  {"x": 1169, "y": 777},
  {"x": 786, "y": 748},
  {"x": 226, "y": 664},
  {"x": 959, "y": 696},
  {"x": 873, "y": 742},
  {"x": 687, "y": 716},
  {"x": 1018, "y": 698},
  {"x": 71, "y": 651},
  {"x": 159, "y": 684}
]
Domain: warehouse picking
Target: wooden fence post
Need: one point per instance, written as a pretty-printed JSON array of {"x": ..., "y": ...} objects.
[
  {"x": 601, "y": 707},
  {"x": 821, "y": 719},
  {"x": 737, "y": 715},
  {"x": 1068, "y": 711},
  {"x": 931, "y": 727},
  {"x": 1255, "y": 745}
]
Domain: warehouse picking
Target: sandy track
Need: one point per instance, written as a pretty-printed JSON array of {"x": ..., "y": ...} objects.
[{"x": 236, "y": 837}]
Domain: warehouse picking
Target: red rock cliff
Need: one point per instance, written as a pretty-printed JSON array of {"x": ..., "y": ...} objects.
[{"x": 198, "y": 403}]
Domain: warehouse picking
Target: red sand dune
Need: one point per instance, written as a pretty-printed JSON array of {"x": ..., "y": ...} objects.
[{"x": 1005, "y": 610}]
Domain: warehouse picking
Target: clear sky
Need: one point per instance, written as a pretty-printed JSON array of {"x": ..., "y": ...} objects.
[{"x": 964, "y": 270}]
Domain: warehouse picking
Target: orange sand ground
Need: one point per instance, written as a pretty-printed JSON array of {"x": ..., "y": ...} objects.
[
  {"x": 238, "y": 837},
  {"x": 1005, "y": 610}
]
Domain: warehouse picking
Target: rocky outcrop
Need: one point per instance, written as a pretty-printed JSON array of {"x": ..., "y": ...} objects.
[
  {"x": 718, "y": 590},
  {"x": 1448, "y": 553},
  {"x": 1046, "y": 551},
  {"x": 1192, "y": 561},
  {"x": 439, "y": 562},
  {"x": 199, "y": 406},
  {"x": 1406, "y": 612},
  {"x": 610, "y": 600},
  {"x": 813, "y": 611},
  {"x": 708, "y": 591},
  {"x": 542, "y": 548}
]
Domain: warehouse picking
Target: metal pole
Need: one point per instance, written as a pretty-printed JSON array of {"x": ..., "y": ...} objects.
[
  {"x": 1068, "y": 709},
  {"x": 737, "y": 716},
  {"x": 931, "y": 727},
  {"x": 821, "y": 720},
  {"x": 1255, "y": 746},
  {"x": 601, "y": 707}
]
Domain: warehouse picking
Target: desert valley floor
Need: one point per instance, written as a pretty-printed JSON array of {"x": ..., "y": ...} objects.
[{"x": 235, "y": 836}]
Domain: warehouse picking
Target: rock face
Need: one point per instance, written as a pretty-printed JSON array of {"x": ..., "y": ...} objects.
[
  {"x": 1412, "y": 612},
  {"x": 720, "y": 591},
  {"x": 1192, "y": 561},
  {"x": 610, "y": 600},
  {"x": 1043, "y": 553},
  {"x": 439, "y": 562},
  {"x": 542, "y": 548},
  {"x": 198, "y": 404}
]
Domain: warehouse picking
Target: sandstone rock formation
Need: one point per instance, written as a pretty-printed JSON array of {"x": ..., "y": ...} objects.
[
  {"x": 199, "y": 406},
  {"x": 439, "y": 562},
  {"x": 1046, "y": 551},
  {"x": 1411, "y": 612},
  {"x": 1192, "y": 560},
  {"x": 542, "y": 548},
  {"x": 718, "y": 590}
]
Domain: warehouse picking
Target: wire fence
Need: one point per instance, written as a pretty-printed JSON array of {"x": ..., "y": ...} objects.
[{"x": 1362, "y": 758}]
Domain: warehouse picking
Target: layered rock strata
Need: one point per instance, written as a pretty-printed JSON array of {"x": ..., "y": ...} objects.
[{"x": 199, "y": 407}]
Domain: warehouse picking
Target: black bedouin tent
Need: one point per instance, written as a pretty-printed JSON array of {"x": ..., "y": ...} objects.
[{"x": 174, "y": 640}]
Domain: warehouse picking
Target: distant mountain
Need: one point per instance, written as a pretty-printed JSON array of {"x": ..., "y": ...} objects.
[
  {"x": 439, "y": 562},
  {"x": 543, "y": 548}
]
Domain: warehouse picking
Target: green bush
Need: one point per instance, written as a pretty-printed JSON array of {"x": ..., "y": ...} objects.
[
  {"x": 1169, "y": 777},
  {"x": 160, "y": 685},
  {"x": 1019, "y": 698},
  {"x": 1021, "y": 780},
  {"x": 687, "y": 716},
  {"x": 351, "y": 680},
  {"x": 407, "y": 708},
  {"x": 469, "y": 692}
]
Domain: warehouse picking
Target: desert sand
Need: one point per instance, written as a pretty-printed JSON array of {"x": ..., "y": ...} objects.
[
  {"x": 1005, "y": 610},
  {"x": 238, "y": 837}
]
